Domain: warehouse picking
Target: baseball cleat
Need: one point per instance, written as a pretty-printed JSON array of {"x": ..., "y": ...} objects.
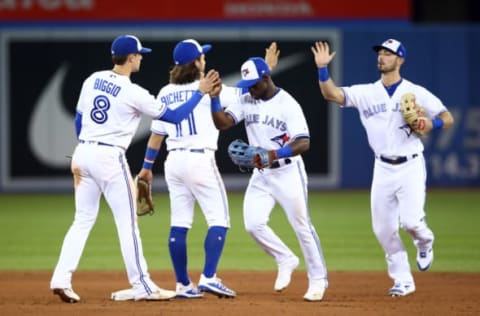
[
  {"x": 424, "y": 259},
  {"x": 67, "y": 295},
  {"x": 188, "y": 291},
  {"x": 123, "y": 295},
  {"x": 215, "y": 286},
  {"x": 401, "y": 289},
  {"x": 315, "y": 291},
  {"x": 285, "y": 270}
]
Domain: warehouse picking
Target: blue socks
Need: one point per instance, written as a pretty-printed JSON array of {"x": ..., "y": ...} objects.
[
  {"x": 177, "y": 245},
  {"x": 213, "y": 245}
]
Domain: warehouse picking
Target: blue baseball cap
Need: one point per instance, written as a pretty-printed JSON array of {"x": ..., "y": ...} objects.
[
  {"x": 253, "y": 71},
  {"x": 394, "y": 46},
  {"x": 188, "y": 50},
  {"x": 128, "y": 44}
]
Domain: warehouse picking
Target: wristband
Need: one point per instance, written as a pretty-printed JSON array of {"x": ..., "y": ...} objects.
[
  {"x": 147, "y": 165},
  {"x": 323, "y": 74},
  {"x": 284, "y": 152},
  {"x": 437, "y": 123},
  {"x": 215, "y": 105},
  {"x": 150, "y": 156}
]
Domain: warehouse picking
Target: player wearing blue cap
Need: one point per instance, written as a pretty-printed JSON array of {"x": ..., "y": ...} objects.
[
  {"x": 109, "y": 110},
  {"x": 399, "y": 176},
  {"x": 191, "y": 170},
  {"x": 275, "y": 122}
]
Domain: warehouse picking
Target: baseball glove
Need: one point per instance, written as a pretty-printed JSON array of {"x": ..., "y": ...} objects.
[
  {"x": 144, "y": 197},
  {"x": 247, "y": 157},
  {"x": 411, "y": 112}
]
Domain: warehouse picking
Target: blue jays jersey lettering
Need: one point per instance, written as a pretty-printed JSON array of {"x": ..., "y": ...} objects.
[
  {"x": 265, "y": 120},
  {"x": 379, "y": 113}
]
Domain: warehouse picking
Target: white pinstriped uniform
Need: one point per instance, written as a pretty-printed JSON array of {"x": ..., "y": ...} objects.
[
  {"x": 111, "y": 107},
  {"x": 398, "y": 191},
  {"x": 271, "y": 124}
]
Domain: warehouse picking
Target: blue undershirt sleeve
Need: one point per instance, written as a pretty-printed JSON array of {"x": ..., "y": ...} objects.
[
  {"x": 180, "y": 113},
  {"x": 78, "y": 123}
]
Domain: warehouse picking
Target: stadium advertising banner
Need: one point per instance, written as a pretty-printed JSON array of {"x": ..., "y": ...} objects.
[
  {"x": 226, "y": 10},
  {"x": 42, "y": 73}
]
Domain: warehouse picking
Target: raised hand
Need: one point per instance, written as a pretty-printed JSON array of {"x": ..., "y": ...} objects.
[
  {"x": 321, "y": 52},
  {"x": 271, "y": 55},
  {"x": 208, "y": 81}
]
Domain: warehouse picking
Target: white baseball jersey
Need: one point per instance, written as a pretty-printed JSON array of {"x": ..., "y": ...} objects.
[
  {"x": 117, "y": 124},
  {"x": 272, "y": 124},
  {"x": 388, "y": 133},
  {"x": 198, "y": 130},
  {"x": 191, "y": 171}
]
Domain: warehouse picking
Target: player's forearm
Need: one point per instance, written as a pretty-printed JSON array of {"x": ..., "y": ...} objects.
[
  {"x": 331, "y": 92},
  {"x": 181, "y": 113},
  {"x": 447, "y": 119},
  {"x": 329, "y": 89},
  {"x": 222, "y": 120}
]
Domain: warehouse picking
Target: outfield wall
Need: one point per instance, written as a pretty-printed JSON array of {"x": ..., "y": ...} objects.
[{"x": 42, "y": 68}]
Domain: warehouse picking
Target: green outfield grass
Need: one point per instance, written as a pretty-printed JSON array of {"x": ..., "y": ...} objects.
[{"x": 32, "y": 227}]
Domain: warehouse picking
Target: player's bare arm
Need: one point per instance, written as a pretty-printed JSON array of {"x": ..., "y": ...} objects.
[
  {"x": 222, "y": 120},
  {"x": 323, "y": 57},
  {"x": 154, "y": 142},
  {"x": 427, "y": 124},
  {"x": 298, "y": 146}
]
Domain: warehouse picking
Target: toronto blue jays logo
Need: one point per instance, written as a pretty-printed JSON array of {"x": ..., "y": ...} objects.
[
  {"x": 281, "y": 139},
  {"x": 245, "y": 72},
  {"x": 407, "y": 129}
]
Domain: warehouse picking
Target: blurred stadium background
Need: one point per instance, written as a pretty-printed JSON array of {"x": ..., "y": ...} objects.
[{"x": 47, "y": 48}]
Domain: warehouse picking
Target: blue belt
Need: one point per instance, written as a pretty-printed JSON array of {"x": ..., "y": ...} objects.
[
  {"x": 192, "y": 150},
  {"x": 398, "y": 160},
  {"x": 276, "y": 164}
]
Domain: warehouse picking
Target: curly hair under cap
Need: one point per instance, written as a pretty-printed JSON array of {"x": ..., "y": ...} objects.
[{"x": 184, "y": 74}]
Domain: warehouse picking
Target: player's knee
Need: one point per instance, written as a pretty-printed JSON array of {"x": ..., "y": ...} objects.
[
  {"x": 410, "y": 225},
  {"x": 253, "y": 227},
  {"x": 384, "y": 232}
]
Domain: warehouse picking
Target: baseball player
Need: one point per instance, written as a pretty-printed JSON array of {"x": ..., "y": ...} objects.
[
  {"x": 191, "y": 170},
  {"x": 399, "y": 176},
  {"x": 274, "y": 121},
  {"x": 108, "y": 114}
]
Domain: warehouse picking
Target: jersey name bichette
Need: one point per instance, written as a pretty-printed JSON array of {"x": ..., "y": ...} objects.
[{"x": 197, "y": 131}]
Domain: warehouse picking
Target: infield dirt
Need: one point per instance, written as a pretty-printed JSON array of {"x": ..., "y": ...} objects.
[{"x": 349, "y": 293}]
